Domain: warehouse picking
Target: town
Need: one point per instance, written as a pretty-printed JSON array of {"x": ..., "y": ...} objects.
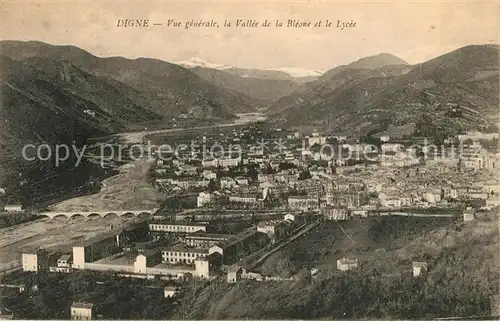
[{"x": 236, "y": 211}]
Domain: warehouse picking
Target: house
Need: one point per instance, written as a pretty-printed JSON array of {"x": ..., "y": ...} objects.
[
  {"x": 418, "y": 268},
  {"x": 209, "y": 175},
  {"x": 390, "y": 147},
  {"x": 64, "y": 264},
  {"x": 82, "y": 311},
  {"x": 205, "y": 199},
  {"x": 169, "y": 291},
  {"x": 242, "y": 181},
  {"x": 146, "y": 259},
  {"x": 345, "y": 264},
  {"x": 469, "y": 214},
  {"x": 432, "y": 197},
  {"x": 289, "y": 217},
  {"x": 208, "y": 266},
  {"x": 13, "y": 208},
  {"x": 227, "y": 183},
  {"x": 275, "y": 229},
  {"x": 234, "y": 273},
  {"x": 64, "y": 261},
  {"x": 317, "y": 140},
  {"x": 34, "y": 260},
  {"x": 187, "y": 170}
]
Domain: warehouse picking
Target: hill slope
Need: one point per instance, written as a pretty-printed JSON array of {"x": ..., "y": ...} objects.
[
  {"x": 263, "y": 90},
  {"x": 462, "y": 274},
  {"x": 451, "y": 93},
  {"x": 170, "y": 89}
]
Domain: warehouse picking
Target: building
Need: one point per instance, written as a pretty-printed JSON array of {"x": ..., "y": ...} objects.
[
  {"x": 335, "y": 213},
  {"x": 432, "y": 197},
  {"x": 169, "y": 291},
  {"x": 244, "y": 198},
  {"x": 13, "y": 208},
  {"x": 209, "y": 175},
  {"x": 34, "y": 260},
  {"x": 208, "y": 266},
  {"x": 205, "y": 199},
  {"x": 476, "y": 136},
  {"x": 93, "y": 250},
  {"x": 64, "y": 261},
  {"x": 242, "y": 181},
  {"x": 231, "y": 249},
  {"x": 347, "y": 199},
  {"x": 469, "y": 214},
  {"x": 146, "y": 259},
  {"x": 391, "y": 147},
  {"x": 347, "y": 264},
  {"x": 289, "y": 217},
  {"x": 174, "y": 227},
  {"x": 64, "y": 264},
  {"x": 82, "y": 311},
  {"x": 275, "y": 229},
  {"x": 418, "y": 268},
  {"x": 317, "y": 140},
  {"x": 182, "y": 254},
  {"x": 303, "y": 203},
  {"x": 234, "y": 273},
  {"x": 201, "y": 239},
  {"x": 227, "y": 183}
]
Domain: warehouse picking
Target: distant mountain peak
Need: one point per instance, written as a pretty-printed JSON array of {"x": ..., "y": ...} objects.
[{"x": 377, "y": 61}]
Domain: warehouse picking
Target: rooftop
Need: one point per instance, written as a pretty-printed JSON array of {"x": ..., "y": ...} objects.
[
  {"x": 183, "y": 248},
  {"x": 82, "y": 305}
]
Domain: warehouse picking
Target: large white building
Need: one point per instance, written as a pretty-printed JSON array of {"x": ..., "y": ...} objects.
[
  {"x": 82, "y": 311},
  {"x": 174, "y": 227},
  {"x": 205, "y": 199},
  {"x": 34, "y": 260},
  {"x": 182, "y": 254}
]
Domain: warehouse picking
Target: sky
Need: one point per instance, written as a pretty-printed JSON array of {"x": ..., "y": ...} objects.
[{"x": 413, "y": 31}]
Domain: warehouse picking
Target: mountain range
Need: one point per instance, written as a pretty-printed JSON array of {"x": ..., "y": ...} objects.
[
  {"x": 449, "y": 94},
  {"x": 264, "y": 85}
]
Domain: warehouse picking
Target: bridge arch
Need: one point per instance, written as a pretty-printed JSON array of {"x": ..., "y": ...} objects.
[
  {"x": 143, "y": 214},
  {"x": 111, "y": 215},
  {"x": 59, "y": 215},
  {"x": 128, "y": 214},
  {"x": 94, "y": 215},
  {"x": 75, "y": 215}
]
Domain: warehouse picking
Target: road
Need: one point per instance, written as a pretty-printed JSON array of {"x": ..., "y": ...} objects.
[{"x": 288, "y": 241}]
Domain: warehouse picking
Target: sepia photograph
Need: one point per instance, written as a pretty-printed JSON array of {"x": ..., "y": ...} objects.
[{"x": 227, "y": 160}]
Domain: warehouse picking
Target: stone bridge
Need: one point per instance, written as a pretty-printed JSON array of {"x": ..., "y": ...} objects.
[{"x": 108, "y": 213}]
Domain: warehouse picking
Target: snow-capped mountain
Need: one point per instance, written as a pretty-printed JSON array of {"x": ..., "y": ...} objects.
[
  {"x": 245, "y": 73},
  {"x": 198, "y": 62},
  {"x": 299, "y": 72}
]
